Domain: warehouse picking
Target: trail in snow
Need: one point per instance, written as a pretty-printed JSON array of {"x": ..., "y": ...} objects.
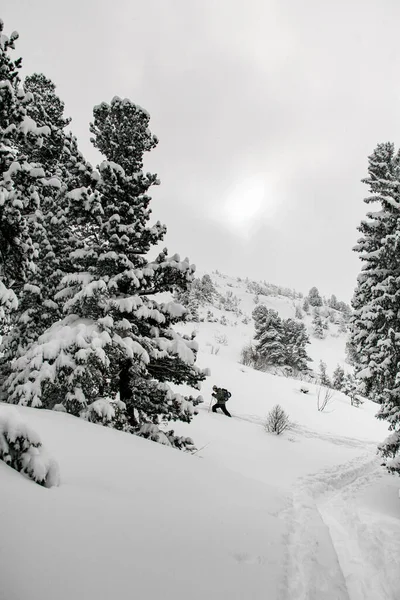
[
  {"x": 336, "y": 549},
  {"x": 304, "y": 431},
  {"x": 367, "y": 543}
]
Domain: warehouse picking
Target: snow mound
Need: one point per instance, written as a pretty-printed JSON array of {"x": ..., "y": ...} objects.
[{"x": 21, "y": 449}]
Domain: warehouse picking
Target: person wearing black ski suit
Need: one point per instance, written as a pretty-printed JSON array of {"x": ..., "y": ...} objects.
[{"x": 222, "y": 396}]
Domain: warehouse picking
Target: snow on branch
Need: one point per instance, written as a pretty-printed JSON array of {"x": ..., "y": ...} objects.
[{"x": 8, "y": 300}]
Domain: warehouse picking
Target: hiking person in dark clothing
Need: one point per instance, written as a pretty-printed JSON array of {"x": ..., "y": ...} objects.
[{"x": 222, "y": 396}]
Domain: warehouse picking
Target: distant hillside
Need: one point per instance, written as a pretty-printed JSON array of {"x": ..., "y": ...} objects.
[{"x": 224, "y": 324}]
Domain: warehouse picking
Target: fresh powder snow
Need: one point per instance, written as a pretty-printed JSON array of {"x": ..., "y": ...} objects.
[{"x": 307, "y": 515}]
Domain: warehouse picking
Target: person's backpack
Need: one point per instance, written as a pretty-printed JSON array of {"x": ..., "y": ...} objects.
[{"x": 226, "y": 394}]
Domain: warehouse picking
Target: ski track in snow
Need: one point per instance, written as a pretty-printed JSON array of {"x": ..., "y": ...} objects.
[
  {"x": 303, "y": 431},
  {"x": 336, "y": 549},
  {"x": 367, "y": 544}
]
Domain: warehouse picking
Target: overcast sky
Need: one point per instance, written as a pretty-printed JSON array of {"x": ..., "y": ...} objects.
[{"x": 266, "y": 113}]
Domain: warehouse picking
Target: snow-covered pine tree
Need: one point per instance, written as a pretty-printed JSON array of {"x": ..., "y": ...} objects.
[
  {"x": 295, "y": 340},
  {"x": 53, "y": 229},
  {"x": 346, "y": 311},
  {"x": 193, "y": 309},
  {"x": 374, "y": 311},
  {"x": 298, "y": 312},
  {"x": 306, "y": 305},
  {"x": 338, "y": 378},
  {"x": 350, "y": 385},
  {"x": 208, "y": 290},
  {"x": 375, "y": 327},
  {"x": 314, "y": 297},
  {"x": 333, "y": 303},
  {"x": 16, "y": 129},
  {"x": 116, "y": 338},
  {"x": 318, "y": 329},
  {"x": 27, "y": 189},
  {"x": 46, "y": 108},
  {"x": 269, "y": 336},
  {"x": 351, "y": 354},
  {"x": 200, "y": 292},
  {"x": 323, "y": 375}
]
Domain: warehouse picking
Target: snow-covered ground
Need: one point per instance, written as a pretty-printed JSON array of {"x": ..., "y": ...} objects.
[
  {"x": 308, "y": 515},
  {"x": 132, "y": 518}
]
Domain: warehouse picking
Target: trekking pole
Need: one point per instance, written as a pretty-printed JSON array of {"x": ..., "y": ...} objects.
[
  {"x": 202, "y": 448},
  {"x": 209, "y": 408}
]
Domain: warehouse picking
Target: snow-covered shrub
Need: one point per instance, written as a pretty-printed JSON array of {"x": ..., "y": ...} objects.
[
  {"x": 248, "y": 356},
  {"x": 221, "y": 338},
  {"x": 210, "y": 318},
  {"x": 21, "y": 448},
  {"x": 356, "y": 400},
  {"x": 277, "y": 420},
  {"x": 304, "y": 389},
  {"x": 230, "y": 303},
  {"x": 167, "y": 438}
]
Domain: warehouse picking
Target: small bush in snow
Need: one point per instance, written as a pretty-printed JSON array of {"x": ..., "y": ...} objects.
[
  {"x": 324, "y": 397},
  {"x": 277, "y": 420},
  {"x": 304, "y": 389},
  {"x": 356, "y": 400},
  {"x": 21, "y": 449},
  {"x": 248, "y": 356},
  {"x": 221, "y": 338},
  {"x": 167, "y": 438}
]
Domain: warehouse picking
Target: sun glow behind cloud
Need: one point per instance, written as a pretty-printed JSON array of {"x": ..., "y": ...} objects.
[{"x": 245, "y": 203}]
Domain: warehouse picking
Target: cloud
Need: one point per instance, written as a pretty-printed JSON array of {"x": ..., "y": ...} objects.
[{"x": 292, "y": 95}]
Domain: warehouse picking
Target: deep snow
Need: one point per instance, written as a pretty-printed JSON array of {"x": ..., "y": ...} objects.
[
  {"x": 132, "y": 518},
  {"x": 309, "y": 515}
]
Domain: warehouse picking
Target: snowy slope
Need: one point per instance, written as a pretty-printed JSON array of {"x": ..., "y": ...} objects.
[
  {"x": 250, "y": 515},
  {"x": 235, "y": 334},
  {"x": 133, "y": 518},
  {"x": 309, "y": 515}
]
